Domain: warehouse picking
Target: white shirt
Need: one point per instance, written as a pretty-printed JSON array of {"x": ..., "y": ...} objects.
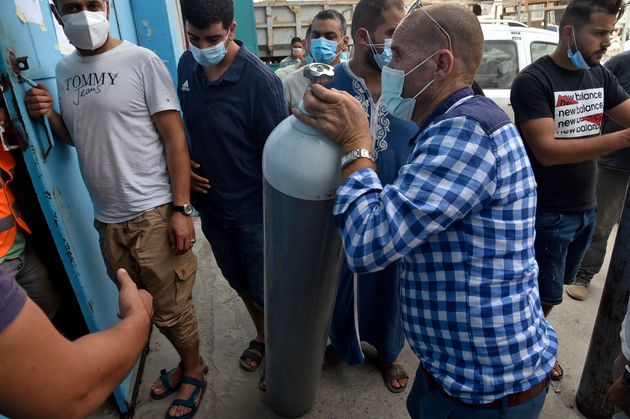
[
  {"x": 107, "y": 102},
  {"x": 294, "y": 86}
]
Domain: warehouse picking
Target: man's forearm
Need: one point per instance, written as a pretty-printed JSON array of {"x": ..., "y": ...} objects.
[
  {"x": 178, "y": 162},
  {"x": 59, "y": 128},
  {"x": 575, "y": 151},
  {"x": 78, "y": 375},
  {"x": 105, "y": 360},
  {"x": 171, "y": 128},
  {"x": 541, "y": 135}
]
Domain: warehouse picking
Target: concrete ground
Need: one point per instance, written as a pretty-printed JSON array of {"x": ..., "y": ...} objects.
[{"x": 345, "y": 392}]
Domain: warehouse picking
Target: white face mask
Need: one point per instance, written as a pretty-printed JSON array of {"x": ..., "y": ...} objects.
[{"x": 86, "y": 30}]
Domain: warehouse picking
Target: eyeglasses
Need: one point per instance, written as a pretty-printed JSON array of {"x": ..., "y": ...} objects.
[{"x": 417, "y": 5}]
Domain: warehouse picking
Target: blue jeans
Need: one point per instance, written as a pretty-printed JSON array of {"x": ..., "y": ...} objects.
[
  {"x": 427, "y": 402},
  {"x": 239, "y": 252},
  {"x": 561, "y": 241}
]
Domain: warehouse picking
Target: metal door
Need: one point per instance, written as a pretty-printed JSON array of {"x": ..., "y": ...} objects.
[
  {"x": 246, "y": 24},
  {"x": 53, "y": 165}
]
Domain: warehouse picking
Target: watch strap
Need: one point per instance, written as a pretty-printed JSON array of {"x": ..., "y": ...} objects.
[{"x": 356, "y": 154}]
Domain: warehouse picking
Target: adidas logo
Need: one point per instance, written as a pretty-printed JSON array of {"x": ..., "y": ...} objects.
[{"x": 185, "y": 87}]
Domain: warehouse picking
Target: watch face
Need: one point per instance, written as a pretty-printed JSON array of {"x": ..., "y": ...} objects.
[{"x": 185, "y": 209}]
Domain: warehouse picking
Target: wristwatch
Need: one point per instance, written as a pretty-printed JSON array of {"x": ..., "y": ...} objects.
[
  {"x": 353, "y": 155},
  {"x": 185, "y": 209}
]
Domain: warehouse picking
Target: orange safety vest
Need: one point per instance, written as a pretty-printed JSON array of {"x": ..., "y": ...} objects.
[{"x": 9, "y": 212}]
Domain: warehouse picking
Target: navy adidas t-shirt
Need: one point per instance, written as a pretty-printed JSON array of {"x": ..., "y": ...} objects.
[{"x": 227, "y": 123}]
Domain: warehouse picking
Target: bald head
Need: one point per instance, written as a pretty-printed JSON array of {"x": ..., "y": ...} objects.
[{"x": 421, "y": 36}]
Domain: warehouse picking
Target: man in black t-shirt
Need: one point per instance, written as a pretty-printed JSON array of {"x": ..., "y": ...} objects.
[{"x": 559, "y": 102}]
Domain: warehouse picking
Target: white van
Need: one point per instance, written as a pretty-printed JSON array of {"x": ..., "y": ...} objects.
[{"x": 509, "y": 48}]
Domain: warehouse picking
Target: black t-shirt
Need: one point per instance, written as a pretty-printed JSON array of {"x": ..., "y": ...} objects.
[
  {"x": 576, "y": 100},
  {"x": 619, "y": 65}
]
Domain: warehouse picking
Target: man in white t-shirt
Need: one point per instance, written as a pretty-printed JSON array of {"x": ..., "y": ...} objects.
[{"x": 120, "y": 110}]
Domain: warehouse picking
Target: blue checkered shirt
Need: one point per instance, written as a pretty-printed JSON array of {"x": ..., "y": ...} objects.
[{"x": 460, "y": 221}]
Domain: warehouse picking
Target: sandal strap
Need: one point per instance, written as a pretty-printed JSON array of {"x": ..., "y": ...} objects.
[
  {"x": 193, "y": 381},
  {"x": 254, "y": 356},
  {"x": 164, "y": 377},
  {"x": 200, "y": 385},
  {"x": 184, "y": 402},
  {"x": 259, "y": 346},
  {"x": 251, "y": 353}
]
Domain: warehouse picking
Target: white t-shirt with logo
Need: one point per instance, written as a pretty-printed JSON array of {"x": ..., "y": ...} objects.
[{"x": 107, "y": 101}]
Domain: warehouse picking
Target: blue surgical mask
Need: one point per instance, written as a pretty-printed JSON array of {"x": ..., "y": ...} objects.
[
  {"x": 211, "y": 56},
  {"x": 381, "y": 58},
  {"x": 344, "y": 56},
  {"x": 392, "y": 83},
  {"x": 577, "y": 59},
  {"x": 323, "y": 50},
  {"x": 384, "y": 57},
  {"x": 309, "y": 60}
]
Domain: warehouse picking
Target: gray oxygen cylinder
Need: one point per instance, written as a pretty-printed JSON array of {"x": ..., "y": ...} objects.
[{"x": 301, "y": 169}]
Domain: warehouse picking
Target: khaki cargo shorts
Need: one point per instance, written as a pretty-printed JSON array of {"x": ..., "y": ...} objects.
[{"x": 141, "y": 246}]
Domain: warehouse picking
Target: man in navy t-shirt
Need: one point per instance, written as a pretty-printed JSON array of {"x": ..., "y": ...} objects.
[{"x": 231, "y": 102}]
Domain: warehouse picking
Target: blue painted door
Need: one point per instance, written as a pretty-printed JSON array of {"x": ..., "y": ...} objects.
[
  {"x": 246, "y": 24},
  {"x": 53, "y": 165}
]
